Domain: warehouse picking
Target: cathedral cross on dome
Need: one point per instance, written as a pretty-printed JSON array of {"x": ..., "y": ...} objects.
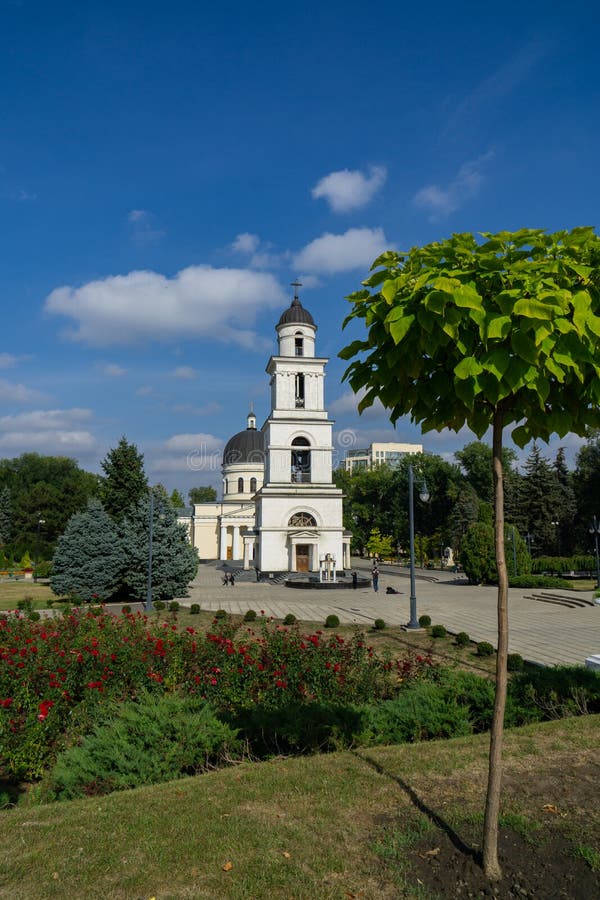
[{"x": 296, "y": 285}]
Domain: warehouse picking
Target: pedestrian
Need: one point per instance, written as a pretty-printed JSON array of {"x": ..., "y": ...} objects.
[
  {"x": 257, "y": 570},
  {"x": 375, "y": 578},
  {"x": 225, "y": 579},
  {"x": 354, "y": 581},
  {"x": 231, "y": 579}
]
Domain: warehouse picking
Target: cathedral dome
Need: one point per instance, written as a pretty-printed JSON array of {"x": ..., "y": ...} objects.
[
  {"x": 296, "y": 315},
  {"x": 244, "y": 447}
]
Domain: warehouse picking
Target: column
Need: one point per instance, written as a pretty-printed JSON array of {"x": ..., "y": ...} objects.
[
  {"x": 223, "y": 543},
  {"x": 247, "y": 554},
  {"x": 235, "y": 553}
]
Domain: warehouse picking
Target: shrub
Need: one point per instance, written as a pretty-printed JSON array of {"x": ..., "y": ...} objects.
[
  {"x": 332, "y": 622},
  {"x": 420, "y": 713},
  {"x": 33, "y": 615},
  {"x": 174, "y": 606},
  {"x": 484, "y": 648},
  {"x": 144, "y": 742},
  {"x": 379, "y": 624},
  {"x": 539, "y": 581},
  {"x": 159, "y": 605},
  {"x": 438, "y": 631},
  {"x": 462, "y": 639},
  {"x": 424, "y": 621},
  {"x": 25, "y": 604},
  {"x": 558, "y": 691},
  {"x": 194, "y": 609},
  {"x": 515, "y": 662},
  {"x": 250, "y": 615},
  {"x": 221, "y": 614},
  {"x": 300, "y": 728},
  {"x": 290, "y": 619},
  {"x": 126, "y": 609}
]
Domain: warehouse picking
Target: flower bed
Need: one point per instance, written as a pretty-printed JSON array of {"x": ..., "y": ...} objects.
[{"x": 57, "y": 675}]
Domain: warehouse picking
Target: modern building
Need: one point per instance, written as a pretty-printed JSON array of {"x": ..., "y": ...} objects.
[
  {"x": 280, "y": 510},
  {"x": 377, "y": 454}
]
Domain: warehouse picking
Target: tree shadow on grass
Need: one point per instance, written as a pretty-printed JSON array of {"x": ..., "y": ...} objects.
[{"x": 420, "y": 804}]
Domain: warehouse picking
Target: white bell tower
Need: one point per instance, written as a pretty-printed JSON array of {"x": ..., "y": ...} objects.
[{"x": 298, "y": 509}]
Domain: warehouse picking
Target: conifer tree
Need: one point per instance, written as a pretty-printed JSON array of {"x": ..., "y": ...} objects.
[
  {"x": 125, "y": 481},
  {"x": 5, "y": 516},
  {"x": 177, "y": 501},
  {"x": 89, "y": 559},
  {"x": 566, "y": 506}
]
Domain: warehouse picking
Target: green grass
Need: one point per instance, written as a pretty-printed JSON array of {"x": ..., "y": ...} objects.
[
  {"x": 313, "y": 827},
  {"x": 590, "y": 855},
  {"x": 13, "y": 591}
]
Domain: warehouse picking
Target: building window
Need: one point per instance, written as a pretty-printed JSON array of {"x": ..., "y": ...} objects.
[
  {"x": 226, "y": 486},
  {"x": 240, "y": 485},
  {"x": 299, "y": 344},
  {"x": 300, "y": 460},
  {"x": 300, "y": 391},
  {"x": 302, "y": 520},
  {"x": 253, "y": 485}
]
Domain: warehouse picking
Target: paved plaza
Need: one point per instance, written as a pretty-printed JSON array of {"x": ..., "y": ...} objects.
[{"x": 540, "y": 632}]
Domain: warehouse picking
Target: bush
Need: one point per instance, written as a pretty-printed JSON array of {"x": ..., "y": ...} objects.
[
  {"x": 515, "y": 662},
  {"x": 159, "y": 605},
  {"x": 558, "y": 691},
  {"x": 25, "y": 604},
  {"x": 250, "y": 615},
  {"x": 379, "y": 624},
  {"x": 173, "y": 606},
  {"x": 462, "y": 639},
  {"x": 144, "y": 742},
  {"x": 300, "y": 728},
  {"x": 438, "y": 631},
  {"x": 420, "y": 713},
  {"x": 290, "y": 619},
  {"x": 484, "y": 648},
  {"x": 332, "y": 622},
  {"x": 33, "y": 615},
  {"x": 424, "y": 621},
  {"x": 539, "y": 581},
  {"x": 126, "y": 609},
  {"x": 194, "y": 609},
  {"x": 221, "y": 614},
  {"x": 478, "y": 558}
]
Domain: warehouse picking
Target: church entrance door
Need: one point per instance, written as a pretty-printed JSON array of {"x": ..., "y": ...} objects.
[
  {"x": 302, "y": 557},
  {"x": 230, "y": 553}
]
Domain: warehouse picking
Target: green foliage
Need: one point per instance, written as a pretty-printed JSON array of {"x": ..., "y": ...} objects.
[
  {"x": 290, "y": 619},
  {"x": 299, "y": 728},
  {"x": 478, "y": 553},
  {"x": 174, "y": 606},
  {"x": 34, "y": 615},
  {"x": 26, "y": 562},
  {"x": 379, "y": 624},
  {"x": 250, "y": 615},
  {"x": 194, "y": 609},
  {"x": 221, "y": 614},
  {"x": 515, "y": 662},
  {"x": 144, "y": 742},
  {"x": 424, "y": 621},
  {"x": 176, "y": 500},
  {"x": 125, "y": 481},
  {"x": 332, "y": 621},
  {"x": 90, "y": 557},
  {"x": 484, "y": 648},
  {"x": 202, "y": 495},
  {"x": 476, "y": 460},
  {"x": 5, "y": 516},
  {"x": 563, "y": 564},
  {"x": 421, "y": 713},
  {"x": 586, "y": 484},
  {"x": 44, "y": 569},
  {"x": 174, "y": 560},
  {"x": 379, "y": 545},
  {"x": 558, "y": 691},
  {"x": 159, "y": 605},
  {"x": 438, "y": 631},
  {"x": 462, "y": 639},
  {"x": 25, "y": 604},
  {"x": 539, "y": 581}
]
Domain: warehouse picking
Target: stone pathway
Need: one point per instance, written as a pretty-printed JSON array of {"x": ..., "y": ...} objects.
[{"x": 540, "y": 632}]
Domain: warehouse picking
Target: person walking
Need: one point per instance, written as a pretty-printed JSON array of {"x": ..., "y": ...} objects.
[
  {"x": 354, "y": 581},
  {"x": 232, "y": 579},
  {"x": 225, "y": 579},
  {"x": 375, "y": 578}
]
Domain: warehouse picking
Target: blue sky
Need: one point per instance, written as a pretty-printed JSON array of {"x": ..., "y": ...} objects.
[{"x": 167, "y": 169}]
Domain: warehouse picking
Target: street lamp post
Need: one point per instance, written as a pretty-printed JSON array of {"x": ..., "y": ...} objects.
[
  {"x": 595, "y": 530},
  {"x": 150, "y": 535},
  {"x": 424, "y": 496},
  {"x": 40, "y": 522}
]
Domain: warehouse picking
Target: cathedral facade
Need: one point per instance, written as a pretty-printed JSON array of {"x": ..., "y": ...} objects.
[{"x": 281, "y": 511}]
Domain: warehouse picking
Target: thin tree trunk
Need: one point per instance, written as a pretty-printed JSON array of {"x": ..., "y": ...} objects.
[{"x": 491, "y": 865}]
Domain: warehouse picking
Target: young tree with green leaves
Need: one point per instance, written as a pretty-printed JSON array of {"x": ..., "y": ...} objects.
[
  {"x": 174, "y": 560},
  {"x": 89, "y": 559},
  {"x": 202, "y": 495},
  {"x": 177, "y": 501},
  {"x": 125, "y": 481},
  {"x": 502, "y": 332}
]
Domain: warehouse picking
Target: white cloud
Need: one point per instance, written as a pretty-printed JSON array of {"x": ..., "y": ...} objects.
[
  {"x": 190, "y": 442},
  {"x": 246, "y": 243},
  {"x": 18, "y": 393},
  {"x": 185, "y": 372},
  {"x": 144, "y": 391},
  {"x": 347, "y": 404},
  {"x": 331, "y": 253},
  {"x": 189, "y": 409},
  {"x": 113, "y": 370},
  {"x": 440, "y": 202},
  {"x": 198, "y": 302},
  {"x": 189, "y": 453},
  {"x": 7, "y": 360},
  {"x": 47, "y": 430},
  {"x": 350, "y": 189},
  {"x": 144, "y": 230}
]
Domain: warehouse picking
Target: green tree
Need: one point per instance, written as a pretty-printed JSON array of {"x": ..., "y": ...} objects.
[
  {"x": 125, "y": 481},
  {"x": 89, "y": 559},
  {"x": 476, "y": 460},
  {"x": 380, "y": 544},
  {"x": 586, "y": 482},
  {"x": 177, "y": 501},
  {"x": 464, "y": 513},
  {"x": 202, "y": 495},
  {"x": 5, "y": 516},
  {"x": 566, "y": 507},
  {"x": 494, "y": 333},
  {"x": 174, "y": 560},
  {"x": 478, "y": 557}
]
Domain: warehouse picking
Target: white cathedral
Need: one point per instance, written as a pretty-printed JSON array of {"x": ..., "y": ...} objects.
[{"x": 281, "y": 511}]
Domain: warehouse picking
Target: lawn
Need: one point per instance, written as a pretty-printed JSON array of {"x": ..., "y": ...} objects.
[
  {"x": 381, "y": 823},
  {"x": 13, "y": 591}
]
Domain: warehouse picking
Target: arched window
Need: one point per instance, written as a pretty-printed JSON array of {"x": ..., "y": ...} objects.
[
  {"x": 302, "y": 520},
  {"x": 240, "y": 485},
  {"x": 299, "y": 344},
  {"x": 226, "y": 486},
  {"x": 253, "y": 485},
  {"x": 300, "y": 460},
  {"x": 300, "y": 390}
]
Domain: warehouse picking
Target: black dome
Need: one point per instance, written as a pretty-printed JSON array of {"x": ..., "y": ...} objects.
[
  {"x": 245, "y": 446},
  {"x": 296, "y": 315}
]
